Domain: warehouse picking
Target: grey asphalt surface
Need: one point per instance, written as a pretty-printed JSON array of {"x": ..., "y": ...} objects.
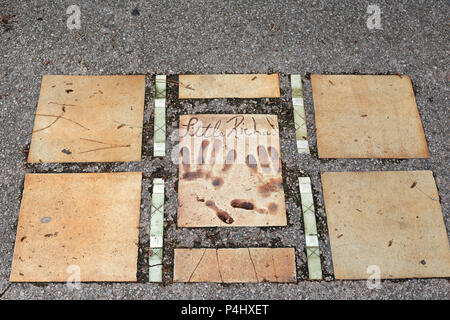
[{"x": 222, "y": 37}]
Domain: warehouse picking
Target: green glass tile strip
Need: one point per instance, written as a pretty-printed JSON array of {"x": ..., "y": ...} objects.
[
  {"x": 156, "y": 231},
  {"x": 309, "y": 218},
  {"x": 159, "y": 133},
  {"x": 155, "y": 263},
  {"x": 301, "y": 133}
]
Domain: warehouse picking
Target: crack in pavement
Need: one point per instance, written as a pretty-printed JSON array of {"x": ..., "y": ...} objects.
[
  {"x": 218, "y": 265},
  {"x": 4, "y": 291},
  {"x": 193, "y": 271},
  {"x": 254, "y": 268}
]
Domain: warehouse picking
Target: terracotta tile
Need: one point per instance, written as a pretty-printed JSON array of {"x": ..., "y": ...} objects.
[
  {"x": 230, "y": 173},
  {"x": 87, "y": 220},
  {"x": 88, "y": 119},
  {"x": 235, "y": 265},
  {"x": 229, "y": 86},
  {"x": 389, "y": 219},
  {"x": 366, "y": 116}
]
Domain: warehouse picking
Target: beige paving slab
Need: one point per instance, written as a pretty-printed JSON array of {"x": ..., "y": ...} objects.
[
  {"x": 392, "y": 220},
  {"x": 367, "y": 116},
  {"x": 88, "y": 119},
  {"x": 230, "y": 171},
  {"x": 206, "y": 86},
  {"x": 86, "y": 222},
  {"x": 235, "y": 265}
]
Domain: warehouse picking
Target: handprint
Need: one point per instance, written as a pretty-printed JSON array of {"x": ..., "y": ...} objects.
[
  {"x": 269, "y": 179},
  {"x": 202, "y": 166},
  {"x": 201, "y": 170}
]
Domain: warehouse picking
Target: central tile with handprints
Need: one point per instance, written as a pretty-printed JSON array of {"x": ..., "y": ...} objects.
[{"x": 230, "y": 171}]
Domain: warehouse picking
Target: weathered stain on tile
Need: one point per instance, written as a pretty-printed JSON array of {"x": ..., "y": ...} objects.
[
  {"x": 86, "y": 220},
  {"x": 367, "y": 116},
  {"x": 390, "y": 219},
  {"x": 229, "y": 86},
  {"x": 235, "y": 265},
  {"x": 230, "y": 171},
  {"x": 88, "y": 119}
]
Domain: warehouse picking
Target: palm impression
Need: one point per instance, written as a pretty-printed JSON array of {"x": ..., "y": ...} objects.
[{"x": 230, "y": 171}]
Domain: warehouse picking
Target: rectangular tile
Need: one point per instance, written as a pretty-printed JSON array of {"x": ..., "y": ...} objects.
[
  {"x": 155, "y": 265},
  {"x": 389, "y": 220},
  {"x": 88, "y": 119},
  {"x": 156, "y": 231},
  {"x": 367, "y": 116},
  {"x": 159, "y": 132},
  {"x": 230, "y": 171},
  {"x": 309, "y": 221},
  {"x": 78, "y": 221},
  {"x": 301, "y": 132},
  {"x": 235, "y": 265},
  {"x": 209, "y": 86},
  {"x": 157, "y": 214}
]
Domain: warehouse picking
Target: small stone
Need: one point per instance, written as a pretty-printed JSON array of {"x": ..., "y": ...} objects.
[{"x": 46, "y": 220}]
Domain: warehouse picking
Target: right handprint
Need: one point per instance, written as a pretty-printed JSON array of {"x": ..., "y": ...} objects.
[{"x": 267, "y": 170}]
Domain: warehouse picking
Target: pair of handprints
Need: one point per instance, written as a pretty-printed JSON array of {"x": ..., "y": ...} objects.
[{"x": 265, "y": 166}]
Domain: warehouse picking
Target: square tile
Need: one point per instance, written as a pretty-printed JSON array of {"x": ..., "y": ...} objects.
[
  {"x": 230, "y": 171},
  {"x": 84, "y": 221},
  {"x": 88, "y": 119},
  {"x": 207, "y": 86},
  {"x": 235, "y": 265},
  {"x": 367, "y": 116},
  {"x": 390, "y": 219}
]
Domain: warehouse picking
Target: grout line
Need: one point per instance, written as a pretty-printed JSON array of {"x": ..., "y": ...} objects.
[
  {"x": 309, "y": 219},
  {"x": 159, "y": 132},
  {"x": 301, "y": 132},
  {"x": 156, "y": 231}
]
